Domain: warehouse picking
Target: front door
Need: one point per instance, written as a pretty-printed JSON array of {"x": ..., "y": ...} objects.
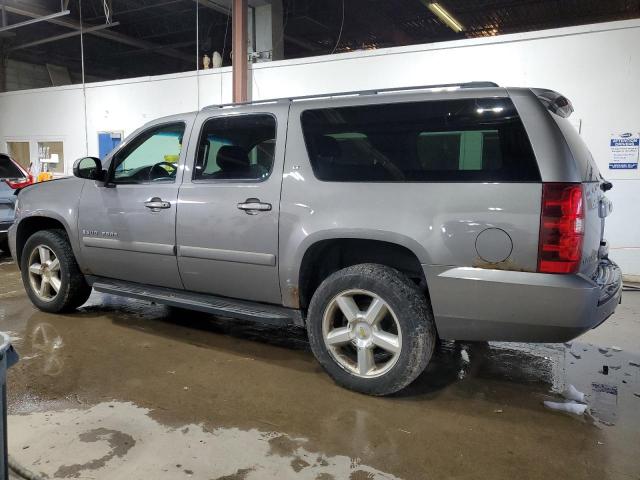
[
  {"x": 227, "y": 230},
  {"x": 127, "y": 228}
]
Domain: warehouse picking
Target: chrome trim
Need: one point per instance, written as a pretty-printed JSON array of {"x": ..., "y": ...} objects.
[
  {"x": 235, "y": 256},
  {"x": 143, "y": 247}
]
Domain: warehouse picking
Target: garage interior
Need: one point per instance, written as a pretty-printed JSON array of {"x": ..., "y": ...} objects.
[{"x": 129, "y": 389}]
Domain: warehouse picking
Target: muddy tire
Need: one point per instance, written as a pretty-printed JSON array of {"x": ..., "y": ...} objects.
[
  {"x": 371, "y": 329},
  {"x": 50, "y": 274}
]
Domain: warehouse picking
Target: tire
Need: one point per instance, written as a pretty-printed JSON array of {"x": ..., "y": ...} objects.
[
  {"x": 4, "y": 245},
  {"x": 408, "y": 318},
  {"x": 73, "y": 289}
]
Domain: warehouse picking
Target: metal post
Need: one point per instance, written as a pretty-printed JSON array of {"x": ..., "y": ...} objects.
[{"x": 239, "y": 46}]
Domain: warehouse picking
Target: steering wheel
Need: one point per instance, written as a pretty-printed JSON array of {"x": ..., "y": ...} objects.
[{"x": 164, "y": 174}]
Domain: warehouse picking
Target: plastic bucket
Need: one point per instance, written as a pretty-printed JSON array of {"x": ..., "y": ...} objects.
[{"x": 8, "y": 357}]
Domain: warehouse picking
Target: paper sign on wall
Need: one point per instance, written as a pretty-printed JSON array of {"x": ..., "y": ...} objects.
[{"x": 625, "y": 149}]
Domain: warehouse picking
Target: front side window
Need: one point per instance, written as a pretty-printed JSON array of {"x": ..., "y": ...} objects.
[
  {"x": 238, "y": 147},
  {"x": 449, "y": 141},
  {"x": 151, "y": 157}
]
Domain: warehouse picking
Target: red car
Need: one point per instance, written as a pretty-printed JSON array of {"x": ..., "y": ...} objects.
[{"x": 12, "y": 178}]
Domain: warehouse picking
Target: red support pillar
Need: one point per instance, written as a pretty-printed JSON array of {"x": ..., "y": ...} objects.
[{"x": 239, "y": 46}]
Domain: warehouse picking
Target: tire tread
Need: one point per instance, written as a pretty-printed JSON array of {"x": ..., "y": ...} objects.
[
  {"x": 75, "y": 288},
  {"x": 417, "y": 323}
]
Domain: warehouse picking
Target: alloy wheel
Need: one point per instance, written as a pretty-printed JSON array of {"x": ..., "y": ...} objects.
[
  {"x": 362, "y": 333},
  {"x": 44, "y": 273}
]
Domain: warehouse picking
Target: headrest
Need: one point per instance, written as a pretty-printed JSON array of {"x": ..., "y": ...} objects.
[{"x": 232, "y": 158}]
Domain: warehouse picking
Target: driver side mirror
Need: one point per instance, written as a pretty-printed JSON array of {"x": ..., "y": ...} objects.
[{"x": 89, "y": 168}]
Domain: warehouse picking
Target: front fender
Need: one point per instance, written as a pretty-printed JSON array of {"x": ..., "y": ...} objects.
[{"x": 45, "y": 205}]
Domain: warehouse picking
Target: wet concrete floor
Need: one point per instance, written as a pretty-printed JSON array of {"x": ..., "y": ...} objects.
[{"x": 125, "y": 389}]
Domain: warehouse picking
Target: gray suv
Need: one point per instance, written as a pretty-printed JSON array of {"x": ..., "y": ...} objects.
[{"x": 380, "y": 220}]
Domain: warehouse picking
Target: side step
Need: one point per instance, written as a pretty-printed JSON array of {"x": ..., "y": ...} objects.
[{"x": 226, "y": 307}]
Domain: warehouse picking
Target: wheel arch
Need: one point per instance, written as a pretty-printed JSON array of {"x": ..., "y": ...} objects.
[
  {"x": 319, "y": 257},
  {"x": 35, "y": 223}
]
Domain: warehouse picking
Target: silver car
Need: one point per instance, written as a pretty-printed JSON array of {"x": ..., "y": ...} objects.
[{"x": 381, "y": 221}]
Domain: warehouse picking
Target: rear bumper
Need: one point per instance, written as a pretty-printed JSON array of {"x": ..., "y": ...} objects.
[{"x": 482, "y": 304}]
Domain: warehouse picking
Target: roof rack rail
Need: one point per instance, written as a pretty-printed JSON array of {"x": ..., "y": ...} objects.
[{"x": 442, "y": 86}]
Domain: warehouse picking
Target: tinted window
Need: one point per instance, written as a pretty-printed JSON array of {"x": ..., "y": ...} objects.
[
  {"x": 8, "y": 169},
  {"x": 151, "y": 157},
  {"x": 236, "y": 148},
  {"x": 454, "y": 140}
]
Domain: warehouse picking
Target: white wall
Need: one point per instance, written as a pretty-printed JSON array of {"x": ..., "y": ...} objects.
[
  {"x": 596, "y": 66},
  {"x": 55, "y": 114}
]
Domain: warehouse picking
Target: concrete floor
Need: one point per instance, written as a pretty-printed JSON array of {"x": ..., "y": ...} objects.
[{"x": 128, "y": 390}]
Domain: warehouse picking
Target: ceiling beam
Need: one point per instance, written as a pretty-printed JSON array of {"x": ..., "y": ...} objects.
[
  {"x": 35, "y": 19},
  {"x": 136, "y": 9},
  {"x": 13, "y": 6},
  {"x": 218, "y": 7},
  {"x": 63, "y": 36}
]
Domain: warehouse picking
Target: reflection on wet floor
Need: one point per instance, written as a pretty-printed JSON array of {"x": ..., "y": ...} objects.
[{"x": 476, "y": 412}]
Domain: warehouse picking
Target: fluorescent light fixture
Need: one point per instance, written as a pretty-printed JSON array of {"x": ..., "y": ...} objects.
[{"x": 440, "y": 12}]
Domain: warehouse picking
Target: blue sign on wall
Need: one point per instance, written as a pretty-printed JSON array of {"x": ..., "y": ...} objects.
[
  {"x": 625, "y": 149},
  {"x": 107, "y": 141}
]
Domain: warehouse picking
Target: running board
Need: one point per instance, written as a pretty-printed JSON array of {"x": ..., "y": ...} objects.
[{"x": 226, "y": 307}]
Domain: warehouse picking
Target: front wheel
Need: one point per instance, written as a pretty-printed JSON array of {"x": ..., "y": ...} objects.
[
  {"x": 50, "y": 274},
  {"x": 371, "y": 328}
]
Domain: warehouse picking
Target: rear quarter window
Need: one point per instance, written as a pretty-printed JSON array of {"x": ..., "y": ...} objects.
[{"x": 447, "y": 141}]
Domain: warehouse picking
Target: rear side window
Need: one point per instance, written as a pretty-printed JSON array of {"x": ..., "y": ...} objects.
[
  {"x": 438, "y": 141},
  {"x": 240, "y": 147},
  {"x": 8, "y": 169}
]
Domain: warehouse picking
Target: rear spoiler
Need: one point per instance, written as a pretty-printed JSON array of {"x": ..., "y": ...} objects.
[{"x": 554, "y": 102}]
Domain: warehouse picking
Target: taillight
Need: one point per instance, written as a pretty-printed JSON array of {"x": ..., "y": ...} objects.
[
  {"x": 561, "y": 228},
  {"x": 16, "y": 184}
]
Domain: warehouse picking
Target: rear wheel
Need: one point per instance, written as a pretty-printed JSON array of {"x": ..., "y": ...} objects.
[
  {"x": 4, "y": 245},
  {"x": 50, "y": 274},
  {"x": 371, "y": 329}
]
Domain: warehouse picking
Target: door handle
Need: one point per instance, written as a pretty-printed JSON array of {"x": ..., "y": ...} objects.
[
  {"x": 253, "y": 205},
  {"x": 156, "y": 204}
]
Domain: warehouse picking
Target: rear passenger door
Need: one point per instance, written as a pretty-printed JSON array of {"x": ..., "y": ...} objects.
[{"x": 227, "y": 227}]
